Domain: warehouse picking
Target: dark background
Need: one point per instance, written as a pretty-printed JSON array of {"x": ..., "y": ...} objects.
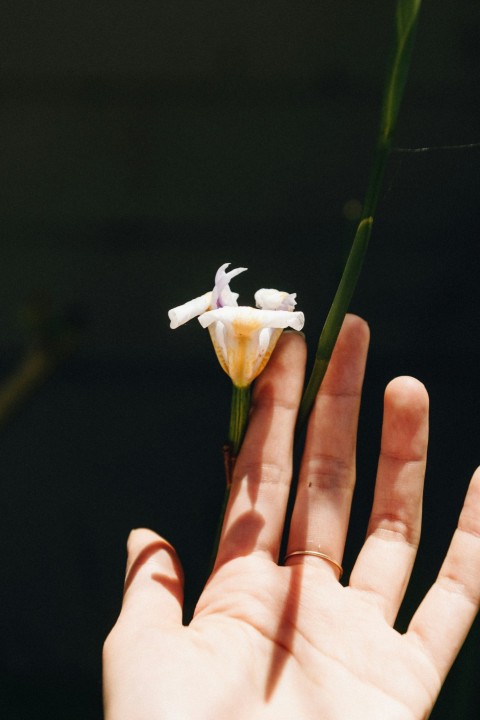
[{"x": 142, "y": 145}]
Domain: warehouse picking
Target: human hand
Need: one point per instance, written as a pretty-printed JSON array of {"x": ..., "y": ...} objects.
[{"x": 286, "y": 642}]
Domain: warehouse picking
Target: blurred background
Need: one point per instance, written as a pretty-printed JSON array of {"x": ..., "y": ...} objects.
[{"x": 142, "y": 145}]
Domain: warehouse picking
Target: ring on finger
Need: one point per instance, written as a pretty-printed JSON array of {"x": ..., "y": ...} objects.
[{"x": 316, "y": 553}]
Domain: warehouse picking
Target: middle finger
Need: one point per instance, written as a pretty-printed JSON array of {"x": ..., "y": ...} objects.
[{"x": 327, "y": 475}]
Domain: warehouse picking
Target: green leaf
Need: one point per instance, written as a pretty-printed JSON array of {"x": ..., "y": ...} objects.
[
  {"x": 405, "y": 25},
  {"x": 406, "y": 15},
  {"x": 335, "y": 316}
]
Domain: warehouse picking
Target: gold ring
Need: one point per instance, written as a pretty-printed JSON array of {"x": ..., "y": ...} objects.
[{"x": 315, "y": 553}]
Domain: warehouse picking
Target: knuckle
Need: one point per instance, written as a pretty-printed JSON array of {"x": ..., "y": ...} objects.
[
  {"x": 265, "y": 473},
  {"x": 329, "y": 472}
]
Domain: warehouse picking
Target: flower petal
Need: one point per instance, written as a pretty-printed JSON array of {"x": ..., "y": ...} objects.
[
  {"x": 271, "y": 299},
  {"x": 222, "y": 295},
  {"x": 244, "y": 338},
  {"x": 254, "y": 318},
  {"x": 183, "y": 313}
]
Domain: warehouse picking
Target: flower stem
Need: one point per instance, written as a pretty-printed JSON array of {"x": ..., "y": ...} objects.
[
  {"x": 405, "y": 25},
  {"x": 238, "y": 418},
  {"x": 240, "y": 408}
]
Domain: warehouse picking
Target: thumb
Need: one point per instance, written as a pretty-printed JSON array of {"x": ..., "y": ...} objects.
[{"x": 153, "y": 593}]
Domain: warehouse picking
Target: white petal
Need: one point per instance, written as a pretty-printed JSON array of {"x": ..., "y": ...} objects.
[
  {"x": 283, "y": 319},
  {"x": 259, "y": 318},
  {"x": 219, "y": 331},
  {"x": 207, "y": 318},
  {"x": 271, "y": 299},
  {"x": 264, "y": 341},
  {"x": 183, "y": 313}
]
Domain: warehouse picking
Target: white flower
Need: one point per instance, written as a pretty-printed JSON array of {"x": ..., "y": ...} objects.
[{"x": 243, "y": 337}]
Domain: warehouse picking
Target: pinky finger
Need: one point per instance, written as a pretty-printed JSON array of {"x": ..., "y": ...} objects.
[{"x": 445, "y": 616}]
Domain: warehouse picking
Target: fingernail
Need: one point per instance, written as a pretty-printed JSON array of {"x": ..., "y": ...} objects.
[{"x": 291, "y": 331}]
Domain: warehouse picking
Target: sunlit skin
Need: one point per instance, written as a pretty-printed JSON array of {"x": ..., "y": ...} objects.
[{"x": 275, "y": 642}]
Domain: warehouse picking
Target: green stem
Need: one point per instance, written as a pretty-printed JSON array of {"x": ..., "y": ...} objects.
[
  {"x": 238, "y": 418},
  {"x": 240, "y": 408},
  {"x": 405, "y": 26}
]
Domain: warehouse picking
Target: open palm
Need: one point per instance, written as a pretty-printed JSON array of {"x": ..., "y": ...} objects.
[{"x": 289, "y": 641}]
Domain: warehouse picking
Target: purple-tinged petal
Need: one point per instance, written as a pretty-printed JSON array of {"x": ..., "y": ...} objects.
[
  {"x": 222, "y": 295},
  {"x": 288, "y": 302}
]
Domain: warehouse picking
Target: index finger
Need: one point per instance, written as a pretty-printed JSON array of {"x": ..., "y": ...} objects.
[{"x": 255, "y": 513}]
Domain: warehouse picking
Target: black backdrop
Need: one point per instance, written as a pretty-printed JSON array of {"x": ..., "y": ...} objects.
[{"x": 143, "y": 144}]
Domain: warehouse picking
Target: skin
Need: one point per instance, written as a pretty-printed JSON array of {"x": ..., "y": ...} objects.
[{"x": 276, "y": 642}]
